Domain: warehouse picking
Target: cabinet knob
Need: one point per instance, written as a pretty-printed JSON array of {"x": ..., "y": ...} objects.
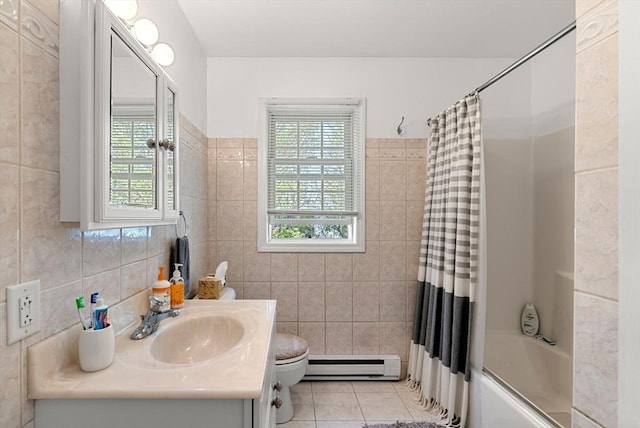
[
  {"x": 167, "y": 144},
  {"x": 151, "y": 143},
  {"x": 277, "y": 386},
  {"x": 277, "y": 402}
]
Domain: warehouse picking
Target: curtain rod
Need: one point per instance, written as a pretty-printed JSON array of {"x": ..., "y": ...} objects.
[{"x": 569, "y": 28}]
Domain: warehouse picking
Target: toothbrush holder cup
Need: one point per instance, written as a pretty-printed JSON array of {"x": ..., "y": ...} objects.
[{"x": 96, "y": 349}]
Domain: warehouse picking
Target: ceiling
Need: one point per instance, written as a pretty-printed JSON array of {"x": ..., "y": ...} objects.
[{"x": 375, "y": 28}]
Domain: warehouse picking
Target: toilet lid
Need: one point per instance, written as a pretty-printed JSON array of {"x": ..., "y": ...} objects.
[{"x": 289, "y": 346}]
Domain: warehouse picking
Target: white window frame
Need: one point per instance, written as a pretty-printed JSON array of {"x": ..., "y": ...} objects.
[{"x": 356, "y": 243}]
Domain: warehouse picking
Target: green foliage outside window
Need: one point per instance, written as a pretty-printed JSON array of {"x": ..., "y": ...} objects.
[{"x": 311, "y": 231}]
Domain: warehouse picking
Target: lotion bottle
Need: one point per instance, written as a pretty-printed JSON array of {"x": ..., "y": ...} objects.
[
  {"x": 161, "y": 292},
  {"x": 177, "y": 288},
  {"x": 529, "y": 322}
]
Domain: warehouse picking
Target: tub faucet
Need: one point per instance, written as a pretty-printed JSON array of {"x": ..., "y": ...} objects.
[{"x": 150, "y": 323}]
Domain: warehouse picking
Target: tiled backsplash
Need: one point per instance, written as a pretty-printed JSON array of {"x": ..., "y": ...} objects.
[{"x": 358, "y": 303}]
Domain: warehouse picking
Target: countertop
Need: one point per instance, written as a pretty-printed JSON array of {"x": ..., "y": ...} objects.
[{"x": 54, "y": 371}]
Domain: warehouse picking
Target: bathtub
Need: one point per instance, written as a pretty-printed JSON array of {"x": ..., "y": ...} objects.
[{"x": 524, "y": 379}]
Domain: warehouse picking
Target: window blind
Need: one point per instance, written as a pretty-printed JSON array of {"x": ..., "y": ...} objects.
[{"x": 311, "y": 163}]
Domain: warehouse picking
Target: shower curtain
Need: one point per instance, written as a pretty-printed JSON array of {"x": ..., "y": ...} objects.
[{"x": 439, "y": 365}]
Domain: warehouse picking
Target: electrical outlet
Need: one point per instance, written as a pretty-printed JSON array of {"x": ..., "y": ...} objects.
[
  {"x": 23, "y": 310},
  {"x": 24, "y": 303}
]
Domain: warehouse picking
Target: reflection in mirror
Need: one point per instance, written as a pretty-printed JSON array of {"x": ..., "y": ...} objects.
[
  {"x": 169, "y": 135},
  {"x": 133, "y": 124}
]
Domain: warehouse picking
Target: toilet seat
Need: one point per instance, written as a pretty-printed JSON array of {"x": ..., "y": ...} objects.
[
  {"x": 290, "y": 348},
  {"x": 292, "y": 360}
]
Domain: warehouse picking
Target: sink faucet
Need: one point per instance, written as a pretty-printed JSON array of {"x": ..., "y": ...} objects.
[{"x": 150, "y": 323}]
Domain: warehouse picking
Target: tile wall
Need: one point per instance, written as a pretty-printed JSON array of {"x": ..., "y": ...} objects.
[
  {"x": 595, "y": 388},
  {"x": 358, "y": 303},
  {"x": 35, "y": 245}
]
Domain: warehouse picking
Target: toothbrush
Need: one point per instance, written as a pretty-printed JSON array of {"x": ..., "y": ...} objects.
[{"x": 80, "y": 305}]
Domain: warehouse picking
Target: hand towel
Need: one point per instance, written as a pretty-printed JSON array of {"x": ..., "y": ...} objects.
[{"x": 180, "y": 254}]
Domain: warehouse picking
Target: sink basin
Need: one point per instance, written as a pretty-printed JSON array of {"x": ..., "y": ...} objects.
[{"x": 196, "y": 338}]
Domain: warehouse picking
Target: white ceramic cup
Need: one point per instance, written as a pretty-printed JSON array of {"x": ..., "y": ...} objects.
[{"x": 96, "y": 349}]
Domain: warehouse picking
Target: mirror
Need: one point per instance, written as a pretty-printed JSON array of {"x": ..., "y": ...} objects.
[
  {"x": 118, "y": 127},
  {"x": 133, "y": 155}
]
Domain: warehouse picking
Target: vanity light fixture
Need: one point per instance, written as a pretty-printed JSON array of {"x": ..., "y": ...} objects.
[
  {"x": 143, "y": 29},
  {"x": 163, "y": 54},
  {"x": 123, "y": 9}
]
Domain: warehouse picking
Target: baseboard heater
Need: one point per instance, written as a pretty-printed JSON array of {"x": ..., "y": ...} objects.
[{"x": 353, "y": 367}]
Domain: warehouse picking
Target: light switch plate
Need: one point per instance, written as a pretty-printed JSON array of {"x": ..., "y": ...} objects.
[{"x": 23, "y": 310}]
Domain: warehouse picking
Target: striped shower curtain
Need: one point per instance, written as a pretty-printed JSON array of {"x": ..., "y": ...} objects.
[{"x": 439, "y": 365}]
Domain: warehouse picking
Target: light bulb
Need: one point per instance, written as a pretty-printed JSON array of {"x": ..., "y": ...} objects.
[
  {"x": 163, "y": 54},
  {"x": 123, "y": 9},
  {"x": 145, "y": 31}
]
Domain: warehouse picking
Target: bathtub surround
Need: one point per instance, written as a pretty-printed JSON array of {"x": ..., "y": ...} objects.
[
  {"x": 541, "y": 373},
  {"x": 439, "y": 365},
  {"x": 529, "y": 179}
]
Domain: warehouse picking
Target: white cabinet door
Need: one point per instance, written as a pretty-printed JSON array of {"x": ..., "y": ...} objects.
[{"x": 119, "y": 125}]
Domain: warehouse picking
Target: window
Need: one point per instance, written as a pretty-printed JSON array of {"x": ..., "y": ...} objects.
[{"x": 311, "y": 176}]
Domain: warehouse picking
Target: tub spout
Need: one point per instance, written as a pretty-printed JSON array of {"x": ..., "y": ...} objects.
[{"x": 545, "y": 339}]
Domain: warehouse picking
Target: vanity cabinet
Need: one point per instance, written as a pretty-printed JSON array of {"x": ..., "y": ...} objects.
[
  {"x": 235, "y": 389},
  {"x": 164, "y": 412},
  {"x": 119, "y": 125}
]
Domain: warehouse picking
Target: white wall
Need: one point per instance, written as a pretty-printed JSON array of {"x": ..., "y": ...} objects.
[
  {"x": 506, "y": 106},
  {"x": 553, "y": 87},
  {"x": 394, "y": 87},
  {"x": 189, "y": 68}
]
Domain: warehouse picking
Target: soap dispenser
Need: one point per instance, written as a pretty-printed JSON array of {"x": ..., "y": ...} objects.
[
  {"x": 160, "y": 300},
  {"x": 177, "y": 288}
]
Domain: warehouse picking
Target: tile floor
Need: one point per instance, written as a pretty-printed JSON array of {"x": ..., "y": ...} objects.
[{"x": 350, "y": 404}]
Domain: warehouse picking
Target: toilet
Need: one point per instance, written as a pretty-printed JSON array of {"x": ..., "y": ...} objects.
[
  {"x": 292, "y": 357},
  {"x": 228, "y": 293}
]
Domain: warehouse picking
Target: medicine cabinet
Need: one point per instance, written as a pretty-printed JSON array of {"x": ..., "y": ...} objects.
[{"x": 119, "y": 125}]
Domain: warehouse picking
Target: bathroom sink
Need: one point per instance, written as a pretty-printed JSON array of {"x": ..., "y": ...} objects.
[{"x": 196, "y": 338}]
